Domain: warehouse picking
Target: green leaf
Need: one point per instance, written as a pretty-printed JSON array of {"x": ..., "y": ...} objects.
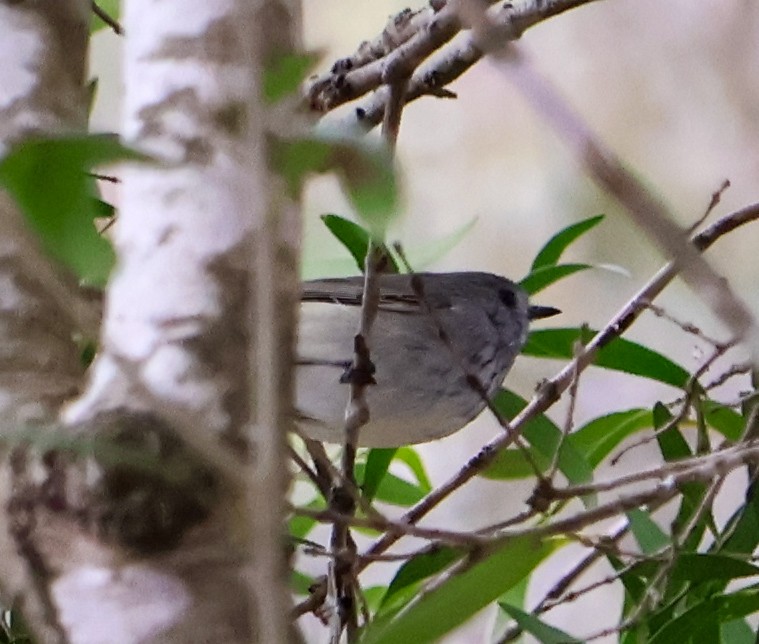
[
  {"x": 355, "y": 239},
  {"x": 597, "y": 438},
  {"x": 102, "y": 208},
  {"x": 365, "y": 171},
  {"x": 648, "y": 535},
  {"x": 349, "y": 234},
  {"x": 393, "y": 489},
  {"x": 619, "y": 355},
  {"x": 299, "y": 526},
  {"x": 295, "y": 159},
  {"x": 48, "y": 179},
  {"x": 544, "y": 276},
  {"x": 300, "y": 582},
  {"x": 696, "y": 568},
  {"x": 377, "y": 463},
  {"x": 373, "y": 596},
  {"x": 545, "y": 437},
  {"x": 634, "y": 586},
  {"x": 726, "y": 421},
  {"x": 408, "y": 577},
  {"x": 541, "y": 631},
  {"x": 671, "y": 442},
  {"x": 92, "y": 91},
  {"x": 743, "y": 529},
  {"x": 427, "y": 252},
  {"x": 284, "y": 74},
  {"x": 413, "y": 461},
  {"x": 550, "y": 253},
  {"x": 713, "y": 610},
  {"x": 111, "y": 8},
  {"x": 737, "y": 632},
  {"x": 461, "y": 596}
]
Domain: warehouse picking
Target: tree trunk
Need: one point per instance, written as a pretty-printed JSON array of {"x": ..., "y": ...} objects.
[{"x": 192, "y": 371}]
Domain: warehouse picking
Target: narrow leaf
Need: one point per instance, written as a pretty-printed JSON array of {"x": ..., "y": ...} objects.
[
  {"x": 671, "y": 442},
  {"x": 463, "y": 595},
  {"x": 544, "y": 633},
  {"x": 393, "y": 489},
  {"x": 725, "y": 420},
  {"x": 544, "y": 276},
  {"x": 428, "y": 252},
  {"x": 355, "y": 239},
  {"x": 545, "y": 437},
  {"x": 550, "y": 253},
  {"x": 649, "y": 536},
  {"x": 366, "y": 173},
  {"x": 714, "y": 610},
  {"x": 619, "y": 355},
  {"x": 376, "y": 467},
  {"x": 415, "y": 570},
  {"x": 111, "y": 8},
  {"x": 597, "y": 438},
  {"x": 48, "y": 178},
  {"x": 413, "y": 461},
  {"x": 284, "y": 74}
]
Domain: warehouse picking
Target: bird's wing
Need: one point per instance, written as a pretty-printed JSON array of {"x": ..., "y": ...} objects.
[{"x": 396, "y": 292}]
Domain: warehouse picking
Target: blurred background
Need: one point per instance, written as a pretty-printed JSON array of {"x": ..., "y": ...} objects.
[{"x": 672, "y": 89}]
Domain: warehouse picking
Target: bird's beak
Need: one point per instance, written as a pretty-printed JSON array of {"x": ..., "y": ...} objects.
[{"x": 540, "y": 312}]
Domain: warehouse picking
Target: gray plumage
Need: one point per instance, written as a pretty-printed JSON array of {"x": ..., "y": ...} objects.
[{"x": 421, "y": 392}]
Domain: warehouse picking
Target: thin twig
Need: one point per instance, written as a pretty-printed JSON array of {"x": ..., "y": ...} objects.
[
  {"x": 645, "y": 209},
  {"x": 692, "y": 389},
  {"x": 550, "y": 391},
  {"x": 713, "y": 203},
  {"x": 108, "y": 20}
]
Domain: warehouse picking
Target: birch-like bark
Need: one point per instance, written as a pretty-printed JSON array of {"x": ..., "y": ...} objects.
[
  {"x": 43, "y": 48},
  {"x": 184, "y": 338}
]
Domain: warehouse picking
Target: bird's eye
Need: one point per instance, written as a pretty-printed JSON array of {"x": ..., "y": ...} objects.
[{"x": 507, "y": 297}]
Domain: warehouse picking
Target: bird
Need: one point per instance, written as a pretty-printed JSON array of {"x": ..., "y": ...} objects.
[{"x": 441, "y": 344}]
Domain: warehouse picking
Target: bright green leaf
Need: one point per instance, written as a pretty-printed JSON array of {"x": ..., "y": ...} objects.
[
  {"x": 377, "y": 463},
  {"x": 48, "y": 179},
  {"x": 295, "y": 159},
  {"x": 619, "y": 355},
  {"x": 355, "y": 239},
  {"x": 368, "y": 178},
  {"x": 300, "y": 582},
  {"x": 111, "y": 8},
  {"x": 671, "y": 442},
  {"x": 92, "y": 91},
  {"x": 427, "y": 252},
  {"x": 365, "y": 171},
  {"x": 726, "y": 421},
  {"x": 406, "y": 580},
  {"x": 544, "y": 276},
  {"x": 718, "y": 609},
  {"x": 550, "y": 253},
  {"x": 413, "y": 461},
  {"x": 461, "y": 596},
  {"x": 737, "y": 632},
  {"x": 597, "y": 438},
  {"x": 544, "y": 633},
  {"x": 545, "y": 437},
  {"x": 649, "y": 536},
  {"x": 393, "y": 489},
  {"x": 299, "y": 526},
  {"x": 373, "y": 596},
  {"x": 743, "y": 529},
  {"x": 696, "y": 568},
  {"x": 284, "y": 75}
]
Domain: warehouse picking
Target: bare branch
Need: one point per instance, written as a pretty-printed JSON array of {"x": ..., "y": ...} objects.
[{"x": 550, "y": 391}]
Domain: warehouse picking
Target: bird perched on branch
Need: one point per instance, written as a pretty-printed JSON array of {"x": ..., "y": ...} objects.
[{"x": 441, "y": 345}]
